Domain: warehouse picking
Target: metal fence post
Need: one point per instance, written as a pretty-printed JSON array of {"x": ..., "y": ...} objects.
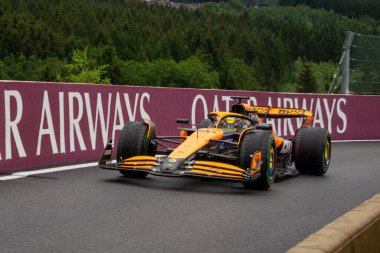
[{"x": 345, "y": 87}]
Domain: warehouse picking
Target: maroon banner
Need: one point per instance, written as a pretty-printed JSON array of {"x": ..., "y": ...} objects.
[{"x": 48, "y": 124}]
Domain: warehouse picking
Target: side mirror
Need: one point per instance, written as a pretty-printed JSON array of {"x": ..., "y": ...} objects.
[{"x": 183, "y": 121}]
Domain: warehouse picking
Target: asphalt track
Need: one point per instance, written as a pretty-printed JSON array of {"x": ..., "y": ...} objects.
[{"x": 93, "y": 210}]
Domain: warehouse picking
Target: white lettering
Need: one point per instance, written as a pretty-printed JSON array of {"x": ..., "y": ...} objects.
[
  {"x": 228, "y": 99},
  {"x": 216, "y": 104},
  {"x": 62, "y": 122},
  {"x": 270, "y": 101},
  {"x": 271, "y": 122},
  {"x": 304, "y": 107},
  {"x": 99, "y": 114},
  {"x": 252, "y": 101},
  {"x": 311, "y": 105},
  {"x": 46, "y": 113},
  {"x": 318, "y": 118},
  {"x": 74, "y": 121},
  {"x": 341, "y": 115},
  {"x": 194, "y": 107},
  {"x": 131, "y": 115},
  {"x": 299, "y": 121},
  {"x": 144, "y": 114},
  {"x": 279, "y": 120},
  {"x": 288, "y": 103},
  {"x": 329, "y": 112},
  {"x": 11, "y": 128},
  {"x": 118, "y": 114}
]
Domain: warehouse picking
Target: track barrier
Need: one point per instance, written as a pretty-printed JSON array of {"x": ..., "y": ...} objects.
[
  {"x": 50, "y": 124},
  {"x": 356, "y": 231}
]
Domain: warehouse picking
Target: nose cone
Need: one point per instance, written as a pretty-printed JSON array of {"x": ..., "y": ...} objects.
[
  {"x": 171, "y": 165},
  {"x": 196, "y": 141}
]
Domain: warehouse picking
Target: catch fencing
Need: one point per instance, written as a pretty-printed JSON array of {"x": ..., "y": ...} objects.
[{"x": 358, "y": 71}]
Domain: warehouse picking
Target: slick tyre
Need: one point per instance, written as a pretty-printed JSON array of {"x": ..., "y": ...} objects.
[
  {"x": 312, "y": 150},
  {"x": 262, "y": 141},
  {"x": 132, "y": 141}
]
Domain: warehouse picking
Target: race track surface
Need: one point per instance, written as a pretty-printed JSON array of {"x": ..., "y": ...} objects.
[{"x": 93, "y": 210}]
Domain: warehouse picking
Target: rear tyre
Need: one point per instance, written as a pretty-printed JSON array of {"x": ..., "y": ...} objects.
[
  {"x": 132, "y": 141},
  {"x": 312, "y": 150},
  {"x": 262, "y": 141}
]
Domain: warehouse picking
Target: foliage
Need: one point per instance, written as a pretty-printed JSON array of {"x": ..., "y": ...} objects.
[
  {"x": 348, "y": 7},
  {"x": 30, "y": 68},
  {"x": 187, "y": 73},
  {"x": 306, "y": 80},
  {"x": 221, "y": 45},
  {"x": 81, "y": 71},
  {"x": 322, "y": 73}
]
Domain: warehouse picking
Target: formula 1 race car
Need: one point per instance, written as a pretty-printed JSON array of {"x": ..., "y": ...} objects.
[{"x": 236, "y": 145}]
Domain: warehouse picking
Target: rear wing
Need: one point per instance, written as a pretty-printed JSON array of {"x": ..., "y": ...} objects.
[
  {"x": 278, "y": 112},
  {"x": 271, "y": 112}
]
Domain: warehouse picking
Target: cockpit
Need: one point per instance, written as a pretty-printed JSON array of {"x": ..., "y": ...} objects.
[{"x": 237, "y": 123}]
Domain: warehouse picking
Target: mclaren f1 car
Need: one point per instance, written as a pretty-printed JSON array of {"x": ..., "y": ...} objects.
[{"x": 238, "y": 145}]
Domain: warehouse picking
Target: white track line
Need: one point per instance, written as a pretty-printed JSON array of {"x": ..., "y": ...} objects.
[
  {"x": 9, "y": 177},
  {"x": 23, "y": 174}
]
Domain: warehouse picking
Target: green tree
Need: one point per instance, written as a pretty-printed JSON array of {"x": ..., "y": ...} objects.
[
  {"x": 192, "y": 72},
  {"x": 236, "y": 75},
  {"x": 81, "y": 71},
  {"x": 323, "y": 73},
  {"x": 306, "y": 80},
  {"x": 187, "y": 73},
  {"x": 241, "y": 48},
  {"x": 3, "y": 73}
]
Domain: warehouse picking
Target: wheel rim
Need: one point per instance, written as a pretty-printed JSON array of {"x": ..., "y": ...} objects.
[
  {"x": 326, "y": 153},
  {"x": 271, "y": 162}
]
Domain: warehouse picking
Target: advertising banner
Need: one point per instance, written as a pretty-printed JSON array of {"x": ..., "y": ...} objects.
[{"x": 49, "y": 124}]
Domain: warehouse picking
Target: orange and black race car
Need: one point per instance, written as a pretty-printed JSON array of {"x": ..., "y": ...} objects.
[{"x": 236, "y": 145}]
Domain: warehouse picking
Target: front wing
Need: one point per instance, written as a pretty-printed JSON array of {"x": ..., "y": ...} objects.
[{"x": 192, "y": 168}]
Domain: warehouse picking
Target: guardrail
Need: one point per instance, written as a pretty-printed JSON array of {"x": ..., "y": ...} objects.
[{"x": 46, "y": 124}]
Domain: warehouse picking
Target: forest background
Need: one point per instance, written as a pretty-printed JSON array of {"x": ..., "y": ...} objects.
[{"x": 284, "y": 45}]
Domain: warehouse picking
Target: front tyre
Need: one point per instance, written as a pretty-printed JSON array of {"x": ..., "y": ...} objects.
[
  {"x": 312, "y": 150},
  {"x": 262, "y": 141},
  {"x": 132, "y": 141}
]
